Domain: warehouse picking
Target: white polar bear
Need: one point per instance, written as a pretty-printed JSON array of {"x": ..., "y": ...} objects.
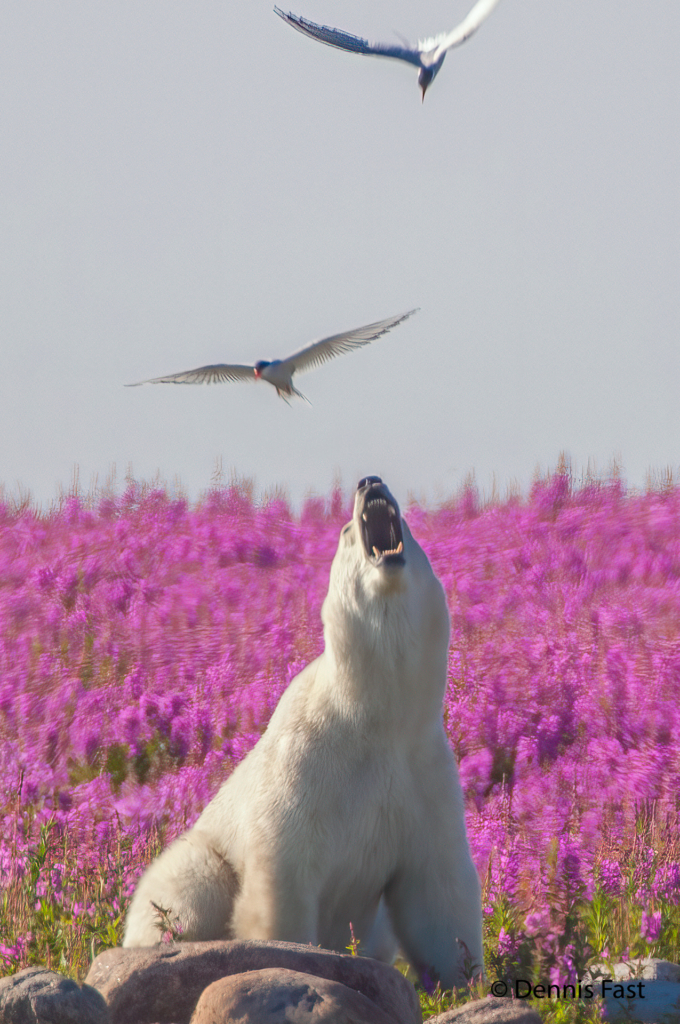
[{"x": 349, "y": 808}]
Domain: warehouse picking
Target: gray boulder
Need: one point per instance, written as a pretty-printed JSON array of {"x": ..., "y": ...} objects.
[
  {"x": 489, "y": 1011},
  {"x": 39, "y": 996},
  {"x": 162, "y": 984},
  {"x": 649, "y": 968},
  {"x": 278, "y": 996},
  {"x": 646, "y": 990}
]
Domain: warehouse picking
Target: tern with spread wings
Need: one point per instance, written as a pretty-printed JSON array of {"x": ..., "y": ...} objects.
[
  {"x": 279, "y": 372},
  {"x": 428, "y": 55}
]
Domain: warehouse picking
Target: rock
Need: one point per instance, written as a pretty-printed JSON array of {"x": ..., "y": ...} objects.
[
  {"x": 489, "y": 1011},
  {"x": 649, "y": 968},
  {"x": 278, "y": 996},
  {"x": 39, "y": 996},
  {"x": 646, "y": 990},
  {"x": 162, "y": 984}
]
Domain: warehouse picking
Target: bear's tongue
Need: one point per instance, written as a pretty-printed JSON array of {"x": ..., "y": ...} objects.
[{"x": 381, "y": 529}]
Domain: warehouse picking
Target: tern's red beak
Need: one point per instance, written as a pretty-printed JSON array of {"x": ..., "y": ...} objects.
[{"x": 257, "y": 372}]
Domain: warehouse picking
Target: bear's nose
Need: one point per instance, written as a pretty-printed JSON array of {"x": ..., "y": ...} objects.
[{"x": 366, "y": 481}]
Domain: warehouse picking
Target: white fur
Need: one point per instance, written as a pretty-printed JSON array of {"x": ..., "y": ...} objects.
[{"x": 349, "y": 808}]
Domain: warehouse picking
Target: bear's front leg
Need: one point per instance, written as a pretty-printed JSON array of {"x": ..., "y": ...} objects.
[
  {"x": 273, "y": 907},
  {"x": 436, "y": 911}
]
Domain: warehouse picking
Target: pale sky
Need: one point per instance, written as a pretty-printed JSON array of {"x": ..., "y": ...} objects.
[{"x": 190, "y": 183}]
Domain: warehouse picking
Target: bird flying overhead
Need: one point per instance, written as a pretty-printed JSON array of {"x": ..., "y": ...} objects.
[
  {"x": 279, "y": 372},
  {"x": 428, "y": 55}
]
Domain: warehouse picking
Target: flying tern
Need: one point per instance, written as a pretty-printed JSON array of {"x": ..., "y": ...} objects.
[
  {"x": 428, "y": 55},
  {"x": 279, "y": 372}
]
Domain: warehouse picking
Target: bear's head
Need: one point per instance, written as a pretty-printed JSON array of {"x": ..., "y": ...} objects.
[
  {"x": 384, "y": 602},
  {"x": 376, "y": 553}
]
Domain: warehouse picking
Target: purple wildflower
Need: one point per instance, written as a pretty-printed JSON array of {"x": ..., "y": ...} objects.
[{"x": 650, "y": 927}]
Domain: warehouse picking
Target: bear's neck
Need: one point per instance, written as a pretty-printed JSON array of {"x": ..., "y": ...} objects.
[{"x": 381, "y": 670}]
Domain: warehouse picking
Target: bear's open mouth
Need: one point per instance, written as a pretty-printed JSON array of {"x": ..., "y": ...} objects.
[{"x": 381, "y": 531}]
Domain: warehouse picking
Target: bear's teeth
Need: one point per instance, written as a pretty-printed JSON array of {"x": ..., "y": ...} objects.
[{"x": 395, "y": 551}]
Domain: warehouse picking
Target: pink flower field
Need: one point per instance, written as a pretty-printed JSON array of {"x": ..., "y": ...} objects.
[{"x": 145, "y": 642}]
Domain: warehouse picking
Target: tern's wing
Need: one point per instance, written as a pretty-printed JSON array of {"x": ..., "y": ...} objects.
[
  {"x": 344, "y": 41},
  {"x": 203, "y": 375},
  {"x": 321, "y": 351},
  {"x": 479, "y": 13}
]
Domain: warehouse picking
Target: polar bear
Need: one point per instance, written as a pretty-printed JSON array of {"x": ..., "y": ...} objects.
[{"x": 349, "y": 808}]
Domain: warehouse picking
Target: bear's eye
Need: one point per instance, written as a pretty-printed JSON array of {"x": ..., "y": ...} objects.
[{"x": 346, "y": 533}]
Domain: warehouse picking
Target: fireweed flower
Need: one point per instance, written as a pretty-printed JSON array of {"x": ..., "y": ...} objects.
[
  {"x": 508, "y": 945},
  {"x": 427, "y": 983},
  {"x": 564, "y": 971},
  {"x": 537, "y": 923},
  {"x": 650, "y": 927},
  {"x": 148, "y": 640},
  {"x": 611, "y": 879}
]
